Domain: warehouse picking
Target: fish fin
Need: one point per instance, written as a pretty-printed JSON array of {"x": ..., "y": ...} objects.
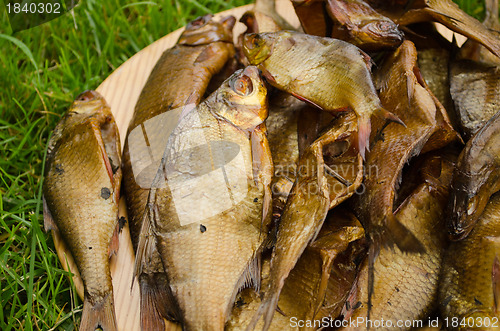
[
  {"x": 301, "y": 98},
  {"x": 373, "y": 252},
  {"x": 402, "y": 237},
  {"x": 388, "y": 116},
  {"x": 114, "y": 244},
  {"x": 495, "y": 275},
  {"x": 100, "y": 142},
  {"x": 364, "y": 130},
  {"x": 368, "y": 60},
  {"x": 99, "y": 314},
  {"x": 270, "y": 78},
  {"x": 48, "y": 220},
  {"x": 157, "y": 302},
  {"x": 249, "y": 277},
  {"x": 146, "y": 237}
]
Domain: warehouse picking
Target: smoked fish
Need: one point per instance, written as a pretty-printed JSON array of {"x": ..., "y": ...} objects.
[
  {"x": 329, "y": 172},
  {"x": 357, "y": 22},
  {"x": 469, "y": 291},
  {"x": 181, "y": 75},
  {"x": 81, "y": 190},
  {"x": 329, "y": 73},
  {"x": 403, "y": 91},
  {"x": 475, "y": 179},
  {"x": 406, "y": 284},
  {"x": 209, "y": 207}
]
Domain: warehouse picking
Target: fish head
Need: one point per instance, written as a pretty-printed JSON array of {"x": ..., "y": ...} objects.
[
  {"x": 465, "y": 207},
  {"x": 89, "y": 104},
  {"x": 258, "y": 47},
  {"x": 242, "y": 99},
  {"x": 379, "y": 33},
  {"x": 205, "y": 30}
]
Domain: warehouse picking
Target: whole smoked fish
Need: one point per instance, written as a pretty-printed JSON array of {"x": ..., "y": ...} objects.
[
  {"x": 181, "y": 75},
  {"x": 476, "y": 178},
  {"x": 329, "y": 172},
  {"x": 81, "y": 192},
  {"x": 329, "y": 73},
  {"x": 210, "y": 212}
]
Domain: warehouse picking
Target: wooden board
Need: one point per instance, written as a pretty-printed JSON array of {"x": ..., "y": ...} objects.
[{"x": 121, "y": 90}]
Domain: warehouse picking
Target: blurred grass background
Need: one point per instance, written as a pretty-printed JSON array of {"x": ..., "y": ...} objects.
[{"x": 41, "y": 71}]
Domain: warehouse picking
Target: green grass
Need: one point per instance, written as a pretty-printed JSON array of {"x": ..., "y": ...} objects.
[{"x": 41, "y": 71}]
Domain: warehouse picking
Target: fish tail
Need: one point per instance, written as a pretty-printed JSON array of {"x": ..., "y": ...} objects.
[
  {"x": 98, "y": 314},
  {"x": 364, "y": 130},
  {"x": 157, "y": 302},
  {"x": 399, "y": 235}
]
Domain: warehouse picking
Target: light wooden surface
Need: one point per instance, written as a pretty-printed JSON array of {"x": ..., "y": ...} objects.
[{"x": 121, "y": 90}]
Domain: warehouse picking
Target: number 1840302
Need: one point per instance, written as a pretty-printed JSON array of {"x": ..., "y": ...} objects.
[{"x": 34, "y": 8}]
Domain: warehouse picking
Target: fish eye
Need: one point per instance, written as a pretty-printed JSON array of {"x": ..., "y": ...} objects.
[
  {"x": 85, "y": 96},
  {"x": 242, "y": 85}
]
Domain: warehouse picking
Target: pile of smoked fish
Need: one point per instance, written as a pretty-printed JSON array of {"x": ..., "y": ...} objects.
[{"x": 342, "y": 174}]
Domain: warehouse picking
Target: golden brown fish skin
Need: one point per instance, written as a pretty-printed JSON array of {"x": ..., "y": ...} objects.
[
  {"x": 475, "y": 179},
  {"x": 81, "y": 192},
  {"x": 358, "y": 23},
  {"x": 406, "y": 285},
  {"x": 329, "y": 73},
  {"x": 282, "y": 134},
  {"x": 264, "y": 18},
  {"x": 336, "y": 246},
  {"x": 449, "y": 14},
  {"x": 329, "y": 172},
  {"x": 197, "y": 244},
  {"x": 403, "y": 92},
  {"x": 313, "y": 17},
  {"x": 469, "y": 278},
  {"x": 323, "y": 270},
  {"x": 474, "y": 88},
  {"x": 181, "y": 75}
]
